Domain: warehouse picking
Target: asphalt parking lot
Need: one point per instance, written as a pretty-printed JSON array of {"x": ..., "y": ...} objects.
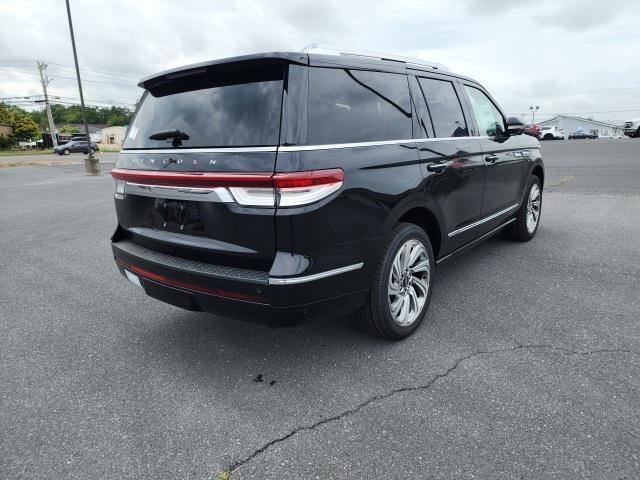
[{"x": 528, "y": 365}]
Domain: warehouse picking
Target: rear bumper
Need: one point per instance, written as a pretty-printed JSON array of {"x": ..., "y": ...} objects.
[{"x": 251, "y": 295}]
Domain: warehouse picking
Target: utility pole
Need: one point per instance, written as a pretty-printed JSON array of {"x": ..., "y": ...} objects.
[
  {"x": 45, "y": 80},
  {"x": 91, "y": 164}
]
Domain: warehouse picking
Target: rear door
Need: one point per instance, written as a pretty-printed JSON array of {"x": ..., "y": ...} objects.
[
  {"x": 503, "y": 156},
  {"x": 200, "y": 141},
  {"x": 451, "y": 160}
]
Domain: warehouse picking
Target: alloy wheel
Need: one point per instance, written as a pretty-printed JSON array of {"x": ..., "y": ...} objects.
[
  {"x": 533, "y": 208},
  {"x": 409, "y": 282}
]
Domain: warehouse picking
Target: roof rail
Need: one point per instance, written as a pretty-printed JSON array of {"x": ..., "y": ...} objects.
[{"x": 331, "y": 50}]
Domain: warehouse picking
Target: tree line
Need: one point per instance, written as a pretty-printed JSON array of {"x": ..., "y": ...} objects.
[
  {"x": 66, "y": 114},
  {"x": 27, "y": 126}
]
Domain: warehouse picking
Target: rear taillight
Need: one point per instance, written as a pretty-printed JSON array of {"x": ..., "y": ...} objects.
[{"x": 289, "y": 189}]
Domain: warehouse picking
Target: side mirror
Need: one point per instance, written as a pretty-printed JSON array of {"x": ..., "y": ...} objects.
[{"x": 515, "y": 126}]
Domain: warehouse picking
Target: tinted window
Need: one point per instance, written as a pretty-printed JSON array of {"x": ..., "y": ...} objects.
[
  {"x": 444, "y": 107},
  {"x": 488, "y": 117},
  {"x": 243, "y": 110},
  {"x": 348, "y": 106},
  {"x": 422, "y": 125}
]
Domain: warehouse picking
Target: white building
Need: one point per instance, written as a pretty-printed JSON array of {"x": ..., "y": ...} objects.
[
  {"x": 569, "y": 124},
  {"x": 113, "y": 135}
]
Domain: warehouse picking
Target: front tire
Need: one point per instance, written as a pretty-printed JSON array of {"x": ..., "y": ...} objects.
[
  {"x": 401, "y": 286},
  {"x": 528, "y": 217},
  {"x": 548, "y": 136},
  {"x": 66, "y": 151}
]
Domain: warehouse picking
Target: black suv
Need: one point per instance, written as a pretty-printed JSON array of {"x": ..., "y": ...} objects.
[{"x": 282, "y": 186}]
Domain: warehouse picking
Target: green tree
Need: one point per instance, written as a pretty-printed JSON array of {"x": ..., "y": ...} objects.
[
  {"x": 69, "y": 129},
  {"x": 24, "y": 127},
  {"x": 70, "y": 114}
]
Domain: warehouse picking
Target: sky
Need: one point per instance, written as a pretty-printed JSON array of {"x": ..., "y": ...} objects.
[{"x": 574, "y": 57}]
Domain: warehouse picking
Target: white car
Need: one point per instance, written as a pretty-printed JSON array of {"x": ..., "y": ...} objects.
[
  {"x": 632, "y": 128},
  {"x": 551, "y": 133}
]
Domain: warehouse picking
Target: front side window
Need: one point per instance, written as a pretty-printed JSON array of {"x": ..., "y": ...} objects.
[
  {"x": 488, "y": 117},
  {"x": 350, "y": 106},
  {"x": 444, "y": 108}
]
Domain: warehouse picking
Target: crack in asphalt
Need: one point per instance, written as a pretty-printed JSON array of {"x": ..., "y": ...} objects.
[
  {"x": 560, "y": 183},
  {"x": 383, "y": 396}
]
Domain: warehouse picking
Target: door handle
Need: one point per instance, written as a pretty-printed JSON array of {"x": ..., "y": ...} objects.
[
  {"x": 491, "y": 158},
  {"x": 436, "y": 167}
]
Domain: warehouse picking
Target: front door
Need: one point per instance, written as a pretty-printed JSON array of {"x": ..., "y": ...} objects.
[{"x": 502, "y": 156}]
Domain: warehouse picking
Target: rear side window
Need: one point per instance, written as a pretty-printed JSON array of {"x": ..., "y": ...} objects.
[
  {"x": 348, "y": 106},
  {"x": 215, "y": 109},
  {"x": 444, "y": 108}
]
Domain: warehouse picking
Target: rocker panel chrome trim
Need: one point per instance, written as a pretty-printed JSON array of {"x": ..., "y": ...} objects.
[{"x": 484, "y": 220}]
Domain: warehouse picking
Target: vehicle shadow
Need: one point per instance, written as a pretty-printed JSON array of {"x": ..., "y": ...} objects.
[{"x": 225, "y": 351}]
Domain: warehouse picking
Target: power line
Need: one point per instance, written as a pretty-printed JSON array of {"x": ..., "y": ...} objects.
[
  {"x": 98, "y": 72},
  {"x": 70, "y": 78}
]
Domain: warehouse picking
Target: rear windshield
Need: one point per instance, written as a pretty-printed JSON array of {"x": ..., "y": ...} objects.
[{"x": 214, "y": 109}]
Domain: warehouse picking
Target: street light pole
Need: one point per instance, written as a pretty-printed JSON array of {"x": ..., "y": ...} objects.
[
  {"x": 91, "y": 164},
  {"x": 533, "y": 113}
]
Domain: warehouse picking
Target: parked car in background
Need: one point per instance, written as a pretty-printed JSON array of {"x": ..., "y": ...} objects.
[
  {"x": 385, "y": 167},
  {"x": 581, "y": 135},
  {"x": 533, "y": 130},
  {"x": 74, "y": 147},
  {"x": 27, "y": 145},
  {"x": 551, "y": 133},
  {"x": 632, "y": 128}
]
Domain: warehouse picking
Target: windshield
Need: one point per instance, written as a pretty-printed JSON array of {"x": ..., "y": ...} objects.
[{"x": 209, "y": 110}]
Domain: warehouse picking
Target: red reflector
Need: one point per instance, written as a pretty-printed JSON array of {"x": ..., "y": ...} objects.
[
  {"x": 247, "y": 297},
  {"x": 194, "y": 179},
  {"x": 308, "y": 179}
]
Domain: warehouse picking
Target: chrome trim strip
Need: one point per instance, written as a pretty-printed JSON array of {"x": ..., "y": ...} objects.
[
  {"x": 295, "y": 148},
  {"x": 332, "y": 146},
  {"x": 475, "y": 241},
  {"x": 315, "y": 276},
  {"x": 480, "y": 222},
  {"x": 201, "y": 150},
  {"x": 217, "y": 194}
]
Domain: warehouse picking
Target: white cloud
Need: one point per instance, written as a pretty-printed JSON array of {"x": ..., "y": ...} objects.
[{"x": 542, "y": 53}]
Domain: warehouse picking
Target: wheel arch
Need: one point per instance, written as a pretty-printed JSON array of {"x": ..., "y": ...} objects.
[
  {"x": 427, "y": 220},
  {"x": 538, "y": 171}
]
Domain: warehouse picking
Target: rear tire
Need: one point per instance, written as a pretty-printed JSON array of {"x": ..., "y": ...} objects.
[
  {"x": 401, "y": 286},
  {"x": 528, "y": 217},
  {"x": 548, "y": 136}
]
